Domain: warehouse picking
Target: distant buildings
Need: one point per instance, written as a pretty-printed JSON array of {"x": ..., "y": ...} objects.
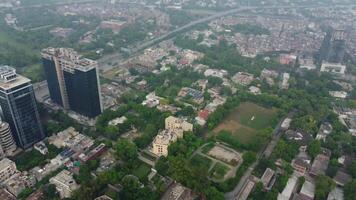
[
  {"x": 242, "y": 78},
  {"x": 65, "y": 184},
  {"x": 333, "y": 68},
  {"x": 19, "y": 107},
  {"x": 285, "y": 81},
  {"x": 73, "y": 81}
]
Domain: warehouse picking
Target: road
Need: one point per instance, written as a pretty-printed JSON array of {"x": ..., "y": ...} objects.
[{"x": 266, "y": 152}]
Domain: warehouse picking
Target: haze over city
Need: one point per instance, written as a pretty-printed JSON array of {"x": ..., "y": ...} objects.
[{"x": 177, "y": 99}]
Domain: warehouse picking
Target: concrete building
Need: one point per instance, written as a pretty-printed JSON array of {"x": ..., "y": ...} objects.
[
  {"x": 41, "y": 147},
  {"x": 19, "y": 107},
  {"x": 7, "y": 142},
  {"x": 178, "y": 192},
  {"x": 336, "y": 194},
  {"x": 288, "y": 190},
  {"x": 320, "y": 165},
  {"x": 5, "y": 195},
  {"x": 65, "y": 184},
  {"x": 162, "y": 141},
  {"x": 267, "y": 178},
  {"x": 174, "y": 123},
  {"x": 73, "y": 81},
  {"x": 333, "y": 68},
  {"x": 285, "y": 81},
  {"x": 7, "y": 169},
  {"x": 308, "y": 190}
]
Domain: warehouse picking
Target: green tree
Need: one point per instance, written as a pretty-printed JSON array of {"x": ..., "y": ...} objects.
[
  {"x": 350, "y": 192},
  {"x": 323, "y": 186},
  {"x": 352, "y": 169},
  {"x": 126, "y": 150},
  {"x": 314, "y": 148}
]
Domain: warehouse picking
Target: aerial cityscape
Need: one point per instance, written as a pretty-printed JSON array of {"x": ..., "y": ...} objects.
[{"x": 177, "y": 99}]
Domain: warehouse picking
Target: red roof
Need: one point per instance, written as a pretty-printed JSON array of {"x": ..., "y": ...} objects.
[{"x": 204, "y": 114}]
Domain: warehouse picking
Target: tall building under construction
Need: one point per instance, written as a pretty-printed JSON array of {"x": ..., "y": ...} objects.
[{"x": 73, "y": 81}]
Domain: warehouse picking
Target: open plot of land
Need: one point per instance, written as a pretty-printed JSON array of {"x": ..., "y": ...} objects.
[
  {"x": 224, "y": 154},
  {"x": 221, "y": 161},
  {"x": 246, "y": 120}
]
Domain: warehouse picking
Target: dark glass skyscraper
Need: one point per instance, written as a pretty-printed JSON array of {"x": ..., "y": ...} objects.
[
  {"x": 73, "y": 81},
  {"x": 19, "y": 108}
]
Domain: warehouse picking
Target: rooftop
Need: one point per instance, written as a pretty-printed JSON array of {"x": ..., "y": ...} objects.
[
  {"x": 69, "y": 58},
  {"x": 9, "y": 78},
  {"x": 5, "y": 163}
]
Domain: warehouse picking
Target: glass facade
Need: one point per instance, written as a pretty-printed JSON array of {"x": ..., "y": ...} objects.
[
  {"x": 52, "y": 81},
  {"x": 83, "y": 93},
  {"x": 19, "y": 109}
]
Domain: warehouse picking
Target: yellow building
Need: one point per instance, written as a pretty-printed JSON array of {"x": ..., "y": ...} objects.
[{"x": 174, "y": 123}]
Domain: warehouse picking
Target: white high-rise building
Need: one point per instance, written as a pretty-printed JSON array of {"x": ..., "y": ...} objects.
[{"x": 7, "y": 142}]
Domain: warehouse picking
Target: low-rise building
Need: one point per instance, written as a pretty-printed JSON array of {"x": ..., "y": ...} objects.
[
  {"x": 117, "y": 121},
  {"x": 7, "y": 169},
  {"x": 320, "y": 165},
  {"x": 336, "y": 194},
  {"x": 65, "y": 184},
  {"x": 308, "y": 190},
  {"x": 267, "y": 178},
  {"x": 338, "y": 94},
  {"x": 255, "y": 90},
  {"x": 342, "y": 178},
  {"x": 288, "y": 190},
  {"x": 176, "y": 191},
  {"x": 5, "y": 195},
  {"x": 174, "y": 123},
  {"x": 243, "y": 78},
  {"x": 41, "y": 147},
  {"x": 164, "y": 138},
  {"x": 324, "y": 131},
  {"x": 333, "y": 68},
  {"x": 285, "y": 81}
]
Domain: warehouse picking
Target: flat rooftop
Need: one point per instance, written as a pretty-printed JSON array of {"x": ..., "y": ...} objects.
[{"x": 69, "y": 58}]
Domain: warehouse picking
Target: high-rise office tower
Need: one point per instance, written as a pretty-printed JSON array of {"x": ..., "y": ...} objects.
[
  {"x": 73, "y": 81},
  {"x": 19, "y": 107},
  {"x": 7, "y": 142}
]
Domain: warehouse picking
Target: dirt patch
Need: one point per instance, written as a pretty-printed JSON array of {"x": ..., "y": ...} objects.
[{"x": 224, "y": 154}]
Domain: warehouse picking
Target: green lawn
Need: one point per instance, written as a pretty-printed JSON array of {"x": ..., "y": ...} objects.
[
  {"x": 254, "y": 116},
  {"x": 246, "y": 120},
  {"x": 142, "y": 171},
  {"x": 219, "y": 171}
]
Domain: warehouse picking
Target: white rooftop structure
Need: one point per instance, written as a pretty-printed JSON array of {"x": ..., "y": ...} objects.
[
  {"x": 288, "y": 190},
  {"x": 333, "y": 68},
  {"x": 308, "y": 189}
]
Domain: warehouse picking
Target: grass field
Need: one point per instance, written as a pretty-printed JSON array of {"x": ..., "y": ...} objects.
[{"x": 246, "y": 120}]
